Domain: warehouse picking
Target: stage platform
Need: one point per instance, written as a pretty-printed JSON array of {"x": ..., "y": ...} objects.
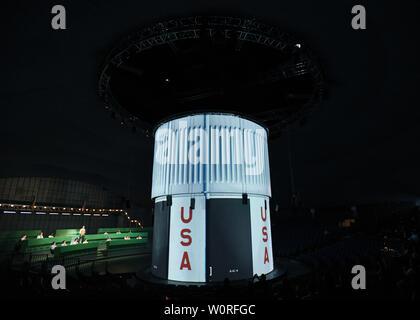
[{"x": 284, "y": 268}]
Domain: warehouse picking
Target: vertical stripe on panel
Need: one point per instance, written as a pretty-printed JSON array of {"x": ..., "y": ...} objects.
[
  {"x": 253, "y": 156},
  {"x": 172, "y": 164},
  {"x": 238, "y": 154},
  {"x": 259, "y": 163},
  {"x": 189, "y": 172},
  {"x": 242, "y": 166},
  {"x": 228, "y": 155},
  {"x": 247, "y": 153},
  {"x": 206, "y": 160},
  {"x": 215, "y": 155},
  {"x": 184, "y": 155},
  {"x": 196, "y": 158},
  {"x": 260, "y": 159},
  {"x": 222, "y": 154},
  {"x": 179, "y": 158},
  {"x": 166, "y": 181},
  {"x": 176, "y": 158},
  {"x": 233, "y": 152},
  {"x": 212, "y": 155},
  {"x": 256, "y": 176},
  {"x": 204, "y": 145}
]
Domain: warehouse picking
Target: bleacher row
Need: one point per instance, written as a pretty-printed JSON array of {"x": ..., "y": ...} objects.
[{"x": 11, "y": 241}]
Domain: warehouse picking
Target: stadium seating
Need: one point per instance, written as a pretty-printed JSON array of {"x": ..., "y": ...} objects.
[
  {"x": 149, "y": 230},
  {"x": 33, "y": 245},
  {"x": 125, "y": 244},
  {"x": 9, "y": 239},
  {"x": 92, "y": 247},
  {"x": 116, "y": 235},
  {"x": 114, "y": 230},
  {"x": 67, "y": 232},
  {"x": 76, "y": 250},
  {"x": 19, "y": 234}
]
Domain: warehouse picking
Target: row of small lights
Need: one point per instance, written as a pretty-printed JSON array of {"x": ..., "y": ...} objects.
[
  {"x": 132, "y": 220},
  {"x": 18, "y": 206}
]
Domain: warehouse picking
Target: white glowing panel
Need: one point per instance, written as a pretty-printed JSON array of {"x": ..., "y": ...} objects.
[
  {"x": 210, "y": 153},
  {"x": 187, "y": 238},
  {"x": 262, "y": 251}
]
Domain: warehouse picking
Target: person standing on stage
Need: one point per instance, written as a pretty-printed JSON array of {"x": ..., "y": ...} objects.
[{"x": 82, "y": 233}]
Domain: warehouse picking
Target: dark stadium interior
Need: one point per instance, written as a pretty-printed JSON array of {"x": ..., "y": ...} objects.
[{"x": 344, "y": 176}]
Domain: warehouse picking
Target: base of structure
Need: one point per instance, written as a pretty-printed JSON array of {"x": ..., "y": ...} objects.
[
  {"x": 146, "y": 276},
  {"x": 206, "y": 238}
]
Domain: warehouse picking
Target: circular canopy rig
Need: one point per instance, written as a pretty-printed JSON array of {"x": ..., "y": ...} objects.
[{"x": 210, "y": 64}]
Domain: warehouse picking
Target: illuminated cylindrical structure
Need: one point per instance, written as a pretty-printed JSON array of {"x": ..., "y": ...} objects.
[{"x": 211, "y": 188}]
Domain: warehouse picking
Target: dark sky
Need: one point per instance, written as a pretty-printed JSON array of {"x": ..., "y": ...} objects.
[{"x": 362, "y": 144}]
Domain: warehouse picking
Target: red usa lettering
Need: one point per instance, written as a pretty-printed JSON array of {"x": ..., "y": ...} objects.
[{"x": 186, "y": 240}]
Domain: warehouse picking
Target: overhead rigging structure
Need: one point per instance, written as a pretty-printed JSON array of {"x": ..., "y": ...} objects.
[{"x": 210, "y": 64}]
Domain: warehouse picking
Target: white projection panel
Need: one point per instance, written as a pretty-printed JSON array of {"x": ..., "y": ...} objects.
[
  {"x": 210, "y": 153},
  {"x": 262, "y": 252},
  {"x": 187, "y": 240}
]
